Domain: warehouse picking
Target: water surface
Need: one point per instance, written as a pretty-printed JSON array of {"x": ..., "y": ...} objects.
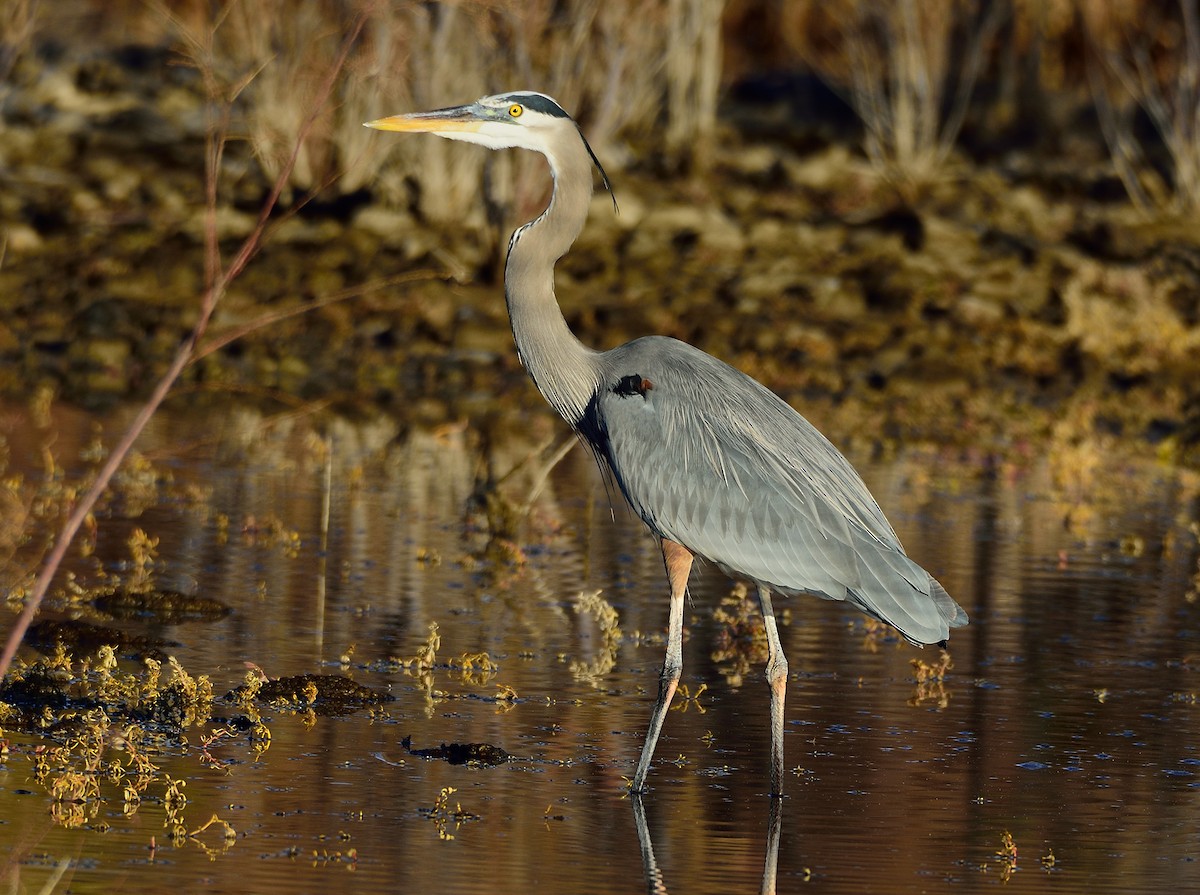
[{"x": 1068, "y": 718}]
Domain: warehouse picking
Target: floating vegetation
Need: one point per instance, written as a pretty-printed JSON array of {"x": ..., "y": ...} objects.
[
  {"x": 610, "y": 633},
  {"x": 473, "y": 669},
  {"x": 741, "y": 638},
  {"x": 324, "y": 694},
  {"x": 931, "y": 681},
  {"x": 52, "y": 695},
  {"x": 442, "y": 815},
  {"x": 246, "y": 697},
  {"x": 167, "y": 607},
  {"x": 875, "y": 633},
  {"x": 474, "y": 754},
  {"x": 270, "y": 531},
  {"x": 143, "y": 551},
  {"x": 139, "y": 485},
  {"x": 1007, "y": 856},
  {"x": 685, "y": 698},
  {"x": 228, "y": 836},
  {"x": 105, "y": 730}
]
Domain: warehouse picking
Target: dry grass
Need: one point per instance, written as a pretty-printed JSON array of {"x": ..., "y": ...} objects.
[
  {"x": 908, "y": 69},
  {"x": 693, "y": 74},
  {"x": 616, "y": 69},
  {"x": 17, "y": 20},
  {"x": 1151, "y": 63}
]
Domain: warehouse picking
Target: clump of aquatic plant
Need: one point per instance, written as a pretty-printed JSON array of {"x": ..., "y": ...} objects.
[
  {"x": 685, "y": 699},
  {"x": 164, "y": 606},
  {"x": 420, "y": 665},
  {"x": 140, "y": 484},
  {"x": 473, "y": 754},
  {"x": 228, "y": 836},
  {"x": 246, "y": 697},
  {"x": 271, "y": 531},
  {"x": 932, "y": 672},
  {"x": 443, "y": 816},
  {"x": 931, "y": 681},
  {"x": 103, "y": 730},
  {"x": 52, "y": 694},
  {"x": 607, "y": 619},
  {"x": 741, "y": 638},
  {"x": 875, "y": 631},
  {"x": 473, "y": 669},
  {"x": 84, "y": 638},
  {"x": 1007, "y": 855}
]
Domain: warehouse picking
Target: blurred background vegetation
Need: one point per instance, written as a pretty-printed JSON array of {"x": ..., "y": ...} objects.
[
  {"x": 1028, "y": 174},
  {"x": 658, "y": 79}
]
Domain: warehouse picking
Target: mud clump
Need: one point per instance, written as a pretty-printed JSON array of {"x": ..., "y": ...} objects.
[
  {"x": 166, "y": 607},
  {"x": 324, "y": 694},
  {"x": 478, "y": 754}
]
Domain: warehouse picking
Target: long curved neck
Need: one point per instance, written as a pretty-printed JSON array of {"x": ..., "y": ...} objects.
[{"x": 563, "y": 369}]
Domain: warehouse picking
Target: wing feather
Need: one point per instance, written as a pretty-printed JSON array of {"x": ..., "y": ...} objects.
[{"x": 713, "y": 460}]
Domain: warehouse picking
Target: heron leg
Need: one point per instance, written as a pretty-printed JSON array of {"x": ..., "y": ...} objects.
[
  {"x": 777, "y": 674},
  {"x": 679, "y": 565}
]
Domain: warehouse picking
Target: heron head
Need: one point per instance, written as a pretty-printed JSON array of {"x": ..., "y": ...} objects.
[
  {"x": 507, "y": 120},
  {"x": 519, "y": 120}
]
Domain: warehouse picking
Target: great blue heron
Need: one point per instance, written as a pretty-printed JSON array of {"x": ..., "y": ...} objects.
[{"x": 715, "y": 464}]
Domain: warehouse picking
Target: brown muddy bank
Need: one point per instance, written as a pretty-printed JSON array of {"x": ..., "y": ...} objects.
[{"x": 1017, "y": 300}]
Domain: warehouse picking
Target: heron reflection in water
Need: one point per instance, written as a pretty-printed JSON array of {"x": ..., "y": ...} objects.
[{"x": 714, "y": 463}]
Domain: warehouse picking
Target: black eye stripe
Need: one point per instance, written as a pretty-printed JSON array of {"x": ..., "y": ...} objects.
[{"x": 537, "y": 103}]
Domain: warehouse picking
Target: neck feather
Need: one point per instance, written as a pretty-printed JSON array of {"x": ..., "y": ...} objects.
[{"x": 563, "y": 369}]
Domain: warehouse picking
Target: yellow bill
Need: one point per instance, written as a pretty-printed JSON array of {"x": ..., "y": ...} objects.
[{"x": 458, "y": 120}]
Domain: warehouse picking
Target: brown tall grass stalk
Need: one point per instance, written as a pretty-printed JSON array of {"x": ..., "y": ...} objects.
[
  {"x": 693, "y": 76},
  {"x": 908, "y": 68},
  {"x": 1159, "y": 72},
  {"x": 906, "y": 95},
  {"x": 218, "y": 278},
  {"x": 18, "y": 24},
  {"x": 646, "y": 71},
  {"x": 618, "y": 66}
]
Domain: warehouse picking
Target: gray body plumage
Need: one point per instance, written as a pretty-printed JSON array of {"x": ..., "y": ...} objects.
[
  {"x": 713, "y": 462},
  {"x": 711, "y": 459}
]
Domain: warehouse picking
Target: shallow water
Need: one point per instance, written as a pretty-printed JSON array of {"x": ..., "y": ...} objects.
[{"x": 1068, "y": 719}]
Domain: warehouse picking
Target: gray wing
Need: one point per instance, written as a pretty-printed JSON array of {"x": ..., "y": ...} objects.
[{"x": 713, "y": 460}]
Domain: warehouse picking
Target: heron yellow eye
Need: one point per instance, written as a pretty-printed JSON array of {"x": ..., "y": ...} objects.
[{"x": 515, "y": 110}]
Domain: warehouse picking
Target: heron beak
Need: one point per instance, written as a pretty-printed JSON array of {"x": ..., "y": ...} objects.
[{"x": 439, "y": 121}]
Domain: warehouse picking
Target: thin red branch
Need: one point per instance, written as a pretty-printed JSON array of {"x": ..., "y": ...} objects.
[{"x": 218, "y": 283}]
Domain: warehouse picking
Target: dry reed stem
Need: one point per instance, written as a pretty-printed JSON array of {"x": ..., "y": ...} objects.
[
  {"x": 902, "y": 99},
  {"x": 17, "y": 26},
  {"x": 218, "y": 281},
  {"x": 693, "y": 76},
  {"x": 1166, "y": 86},
  {"x": 908, "y": 69}
]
